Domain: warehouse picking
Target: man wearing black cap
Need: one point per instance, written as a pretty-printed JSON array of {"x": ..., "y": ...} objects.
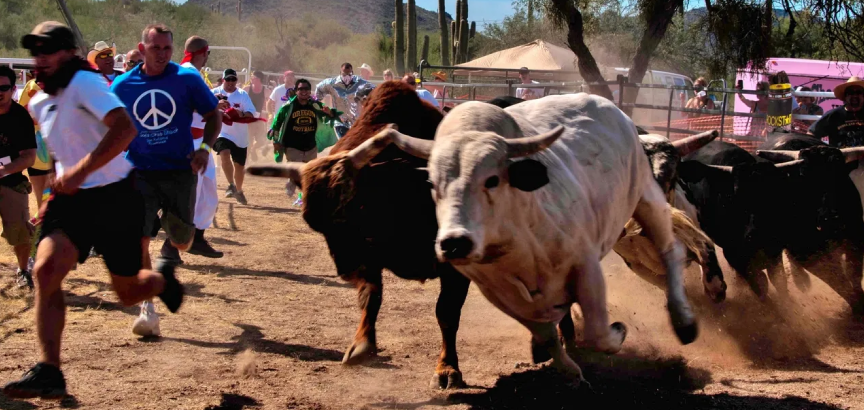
[
  {"x": 94, "y": 202},
  {"x": 527, "y": 93},
  {"x": 234, "y": 139}
]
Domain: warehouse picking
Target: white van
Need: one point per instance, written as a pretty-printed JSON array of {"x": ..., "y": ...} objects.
[{"x": 657, "y": 96}]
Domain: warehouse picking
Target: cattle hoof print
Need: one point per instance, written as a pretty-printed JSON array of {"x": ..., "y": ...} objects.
[{"x": 447, "y": 381}]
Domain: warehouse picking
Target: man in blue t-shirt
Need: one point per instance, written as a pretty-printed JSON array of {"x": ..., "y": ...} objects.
[{"x": 161, "y": 96}]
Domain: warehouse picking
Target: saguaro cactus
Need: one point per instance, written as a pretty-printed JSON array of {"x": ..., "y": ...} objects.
[
  {"x": 424, "y": 53},
  {"x": 455, "y": 36},
  {"x": 445, "y": 38},
  {"x": 399, "y": 39},
  {"x": 239, "y": 10},
  {"x": 412, "y": 36}
]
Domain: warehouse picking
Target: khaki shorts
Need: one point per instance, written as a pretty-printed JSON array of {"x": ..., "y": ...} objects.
[
  {"x": 15, "y": 213},
  {"x": 295, "y": 155}
]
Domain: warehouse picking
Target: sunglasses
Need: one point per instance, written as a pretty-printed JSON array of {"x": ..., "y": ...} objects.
[
  {"x": 230, "y": 79},
  {"x": 4, "y": 88},
  {"x": 44, "y": 49},
  {"x": 108, "y": 54},
  {"x": 304, "y": 89}
]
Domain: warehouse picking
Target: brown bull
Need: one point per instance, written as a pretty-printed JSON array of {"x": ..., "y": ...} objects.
[{"x": 371, "y": 202}]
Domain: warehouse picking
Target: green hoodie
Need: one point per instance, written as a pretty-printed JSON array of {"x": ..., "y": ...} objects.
[{"x": 325, "y": 136}]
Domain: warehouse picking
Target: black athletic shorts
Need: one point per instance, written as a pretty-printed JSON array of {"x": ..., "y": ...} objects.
[
  {"x": 108, "y": 218},
  {"x": 33, "y": 172},
  {"x": 173, "y": 192},
  {"x": 238, "y": 155}
]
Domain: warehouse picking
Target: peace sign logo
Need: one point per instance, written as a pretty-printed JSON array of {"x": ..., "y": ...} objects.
[{"x": 154, "y": 118}]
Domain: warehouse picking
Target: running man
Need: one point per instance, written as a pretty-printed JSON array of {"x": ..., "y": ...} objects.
[
  {"x": 17, "y": 153},
  {"x": 195, "y": 57},
  {"x": 343, "y": 89},
  {"x": 233, "y": 141},
  {"x": 259, "y": 94},
  {"x": 293, "y": 131},
  {"x": 161, "y": 98},
  {"x": 94, "y": 201}
]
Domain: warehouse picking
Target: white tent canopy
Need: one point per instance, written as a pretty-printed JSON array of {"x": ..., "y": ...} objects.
[{"x": 537, "y": 55}]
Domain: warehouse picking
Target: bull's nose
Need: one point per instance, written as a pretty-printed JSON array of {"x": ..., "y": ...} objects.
[{"x": 457, "y": 247}]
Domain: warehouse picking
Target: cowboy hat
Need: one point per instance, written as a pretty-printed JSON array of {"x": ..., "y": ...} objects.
[
  {"x": 366, "y": 67},
  {"x": 840, "y": 90},
  {"x": 98, "y": 48},
  {"x": 440, "y": 76}
]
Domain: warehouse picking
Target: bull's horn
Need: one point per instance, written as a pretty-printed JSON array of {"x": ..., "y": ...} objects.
[
  {"x": 290, "y": 170},
  {"x": 724, "y": 168},
  {"x": 417, "y": 147},
  {"x": 363, "y": 153},
  {"x": 779, "y": 156},
  {"x": 789, "y": 164},
  {"x": 694, "y": 142},
  {"x": 520, "y": 147},
  {"x": 853, "y": 154}
]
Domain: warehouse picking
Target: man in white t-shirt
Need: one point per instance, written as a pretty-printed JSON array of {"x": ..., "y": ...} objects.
[
  {"x": 282, "y": 93},
  {"x": 422, "y": 93},
  {"x": 527, "y": 93},
  {"x": 195, "y": 57},
  {"x": 94, "y": 202},
  {"x": 234, "y": 139}
]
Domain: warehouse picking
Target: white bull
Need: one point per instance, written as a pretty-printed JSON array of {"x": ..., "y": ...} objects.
[{"x": 530, "y": 198}]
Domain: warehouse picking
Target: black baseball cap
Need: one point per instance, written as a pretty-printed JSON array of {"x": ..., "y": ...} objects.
[
  {"x": 50, "y": 32},
  {"x": 523, "y": 70},
  {"x": 229, "y": 73}
]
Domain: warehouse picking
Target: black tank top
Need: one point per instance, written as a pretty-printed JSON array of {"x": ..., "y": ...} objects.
[{"x": 258, "y": 99}]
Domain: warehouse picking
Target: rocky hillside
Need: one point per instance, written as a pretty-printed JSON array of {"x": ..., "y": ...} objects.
[{"x": 362, "y": 16}]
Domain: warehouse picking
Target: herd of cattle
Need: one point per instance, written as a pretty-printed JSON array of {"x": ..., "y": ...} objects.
[{"x": 528, "y": 197}]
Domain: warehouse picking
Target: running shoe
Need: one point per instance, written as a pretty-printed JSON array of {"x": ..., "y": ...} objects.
[
  {"x": 231, "y": 191},
  {"x": 202, "y": 248},
  {"x": 170, "y": 254},
  {"x": 24, "y": 278},
  {"x": 42, "y": 380},
  {"x": 172, "y": 294},
  {"x": 299, "y": 202},
  {"x": 147, "y": 323},
  {"x": 240, "y": 197}
]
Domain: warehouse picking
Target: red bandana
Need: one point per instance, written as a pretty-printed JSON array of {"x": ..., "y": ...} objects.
[{"x": 187, "y": 56}]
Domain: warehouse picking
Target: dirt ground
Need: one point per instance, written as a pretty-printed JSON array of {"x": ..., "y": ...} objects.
[{"x": 266, "y": 327}]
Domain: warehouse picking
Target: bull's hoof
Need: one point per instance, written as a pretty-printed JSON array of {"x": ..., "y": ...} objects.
[
  {"x": 539, "y": 353},
  {"x": 687, "y": 333},
  {"x": 451, "y": 379},
  {"x": 359, "y": 352},
  {"x": 718, "y": 295}
]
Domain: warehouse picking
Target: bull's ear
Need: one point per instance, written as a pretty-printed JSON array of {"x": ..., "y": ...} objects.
[{"x": 527, "y": 175}]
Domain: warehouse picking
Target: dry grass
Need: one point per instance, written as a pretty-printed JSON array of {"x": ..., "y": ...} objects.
[{"x": 275, "y": 296}]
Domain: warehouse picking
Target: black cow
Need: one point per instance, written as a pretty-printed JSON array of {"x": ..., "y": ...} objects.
[
  {"x": 754, "y": 209},
  {"x": 833, "y": 227}
]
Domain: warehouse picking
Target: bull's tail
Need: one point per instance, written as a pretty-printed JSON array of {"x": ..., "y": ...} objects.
[{"x": 694, "y": 240}]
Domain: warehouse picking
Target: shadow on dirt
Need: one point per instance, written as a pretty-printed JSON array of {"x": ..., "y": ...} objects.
[
  {"x": 195, "y": 290},
  {"x": 252, "y": 338},
  {"x": 276, "y": 210},
  {"x": 90, "y": 301},
  {"x": 232, "y": 401},
  {"x": 614, "y": 386},
  {"x": 222, "y": 271},
  {"x": 68, "y": 402}
]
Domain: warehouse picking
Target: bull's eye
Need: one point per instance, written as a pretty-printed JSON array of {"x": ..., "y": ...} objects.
[
  {"x": 492, "y": 182},
  {"x": 430, "y": 184}
]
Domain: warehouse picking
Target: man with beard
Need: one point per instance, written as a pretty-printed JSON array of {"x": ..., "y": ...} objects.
[
  {"x": 102, "y": 57},
  {"x": 844, "y": 126},
  {"x": 342, "y": 89},
  {"x": 161, "y": 96},
  {"x": 94, "y": 202}
]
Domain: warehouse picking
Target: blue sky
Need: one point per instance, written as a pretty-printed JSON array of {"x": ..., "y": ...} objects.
[{"x": 478, "y": 10}]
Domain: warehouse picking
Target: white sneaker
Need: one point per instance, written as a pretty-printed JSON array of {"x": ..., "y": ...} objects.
[{"x": 147, "y": 323}]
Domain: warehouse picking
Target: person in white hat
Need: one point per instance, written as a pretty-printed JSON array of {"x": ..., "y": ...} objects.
[
  {"x": 102, "y": 57},
  {"x": 366, "y": 72},
  {"x": 844, "y": 126}
]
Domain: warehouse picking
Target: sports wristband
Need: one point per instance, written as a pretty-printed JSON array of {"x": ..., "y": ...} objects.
[{"x": 205, "y": 147}]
